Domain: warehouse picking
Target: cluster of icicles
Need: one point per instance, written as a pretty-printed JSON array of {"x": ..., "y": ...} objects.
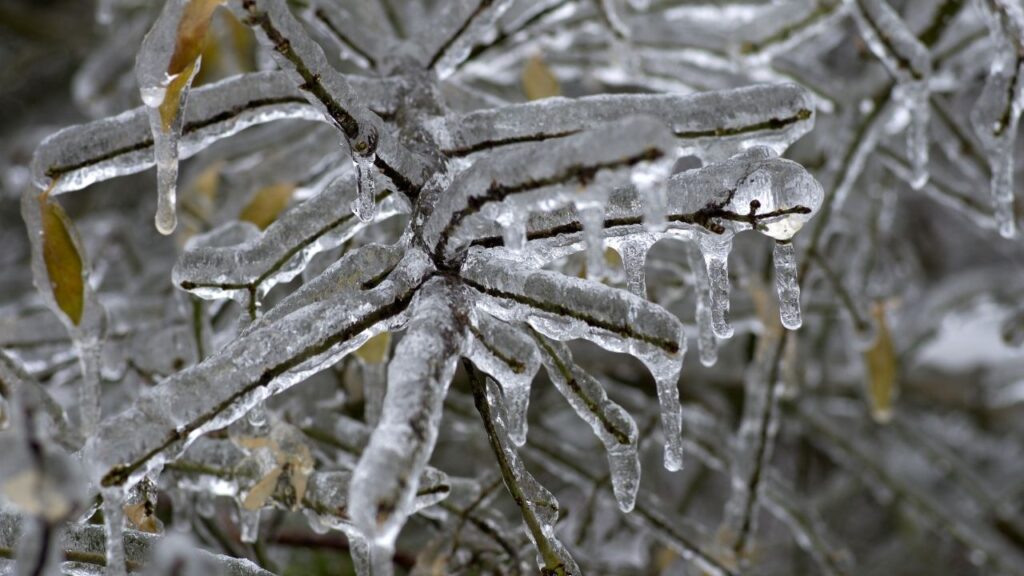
[{"x": 996, "y": 112}]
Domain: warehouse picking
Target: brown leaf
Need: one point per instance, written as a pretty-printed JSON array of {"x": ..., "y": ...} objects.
[
  {"x": 63, "y": 262},
  {"x": 538, "y": 80},
  {"x": 881, "y": 367},
  {"x": 267, "y": 204}
]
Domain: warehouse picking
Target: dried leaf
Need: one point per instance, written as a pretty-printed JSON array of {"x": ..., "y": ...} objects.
[
  {"x": 192, "y": 29},
  {"x": 172, "y": 98},
  {"x": 63, "y": 262},
  {"x": 538, "y": 80},
  {"x": 262, "y": 491},
  {"x": 142, "y": 518},
  {"x": 267, "y": 204},
  {"x": 880, "y": 365},
  {"x": 375, "y": 350},
  {"x": 36, "y": 495}
]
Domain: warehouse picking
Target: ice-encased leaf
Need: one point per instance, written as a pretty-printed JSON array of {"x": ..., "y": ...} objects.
[
  {"x": 268, "y": 359},
  {"x": 385, "y": 481},
  {"x": 566, "y": 308},
  {"x": 448, "y": 38},
  {"x": 507, "y": 354},
  {"x": 558, "y": 170},
  {"x": 331, "y": 92},
  {"x": 281, "y": 251},
  {"x": 714, "y": 124},
  {"x": 538, "y": 506},
  {"x": 81, "y": 155},
  {"x": 609, "y": 421}
]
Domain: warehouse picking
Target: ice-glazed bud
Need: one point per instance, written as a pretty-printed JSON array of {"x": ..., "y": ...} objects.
[{"x": 782, "y": 197}]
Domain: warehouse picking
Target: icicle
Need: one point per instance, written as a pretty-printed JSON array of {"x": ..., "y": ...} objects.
[
  {"x": 651, "y": 183},
  {"x": 609, "y": 421},
  {"x": 1003, "y": 193},
  {"x": 716, "y": 255},
  {"x": 592, "y": 218},
  {"x": 706, "y": 343},
  {"x": 89, "y": 356},
  {"x": 910, "y": 62},
  {"x": 513, "y": 227},
  {"x": 167, "y": 63},
  {"x": 258, "y": 415},
  {"x": 784, "y": 256},
  {"x": 633, "y": 252},
  {"x": 248, "y": 525},
  {"x": 364, "y": 206},
  {"x": 165, "y": 144},
  {"x": 666, "y": 378},
  {"x": 113, "y": 523}
]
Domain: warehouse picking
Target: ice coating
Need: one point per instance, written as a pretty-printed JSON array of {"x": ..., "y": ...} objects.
[
  {"x": 331, "y": 92},
  {"x": 269, "y": 358},
  {"x": 565, "y": 308},
  {"x": 506, "y": 354},
  {"x": 259, "y": 263},
  {"x": 384, "y": 483},
  {"x": 609, "y": 421},
  {"x": 712, "y": 125},
  {"x": 539, "y": 506},
  {"x": 81, "y": 155},
  {"x": 54, "y": 245},
  {"x": 450, "y": 36},
  {"x": 557, "y": 169}
]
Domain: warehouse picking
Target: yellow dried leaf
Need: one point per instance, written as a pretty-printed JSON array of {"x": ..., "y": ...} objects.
[
  {"x": 267, "y": 204},
  {"x": 63, "y": 262},
  {"x": 881, "y": 367},
  {"x": 262, "y": 491},
  {"x": 538, "y": 80},
  {"x": 375, "y": 350}
]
